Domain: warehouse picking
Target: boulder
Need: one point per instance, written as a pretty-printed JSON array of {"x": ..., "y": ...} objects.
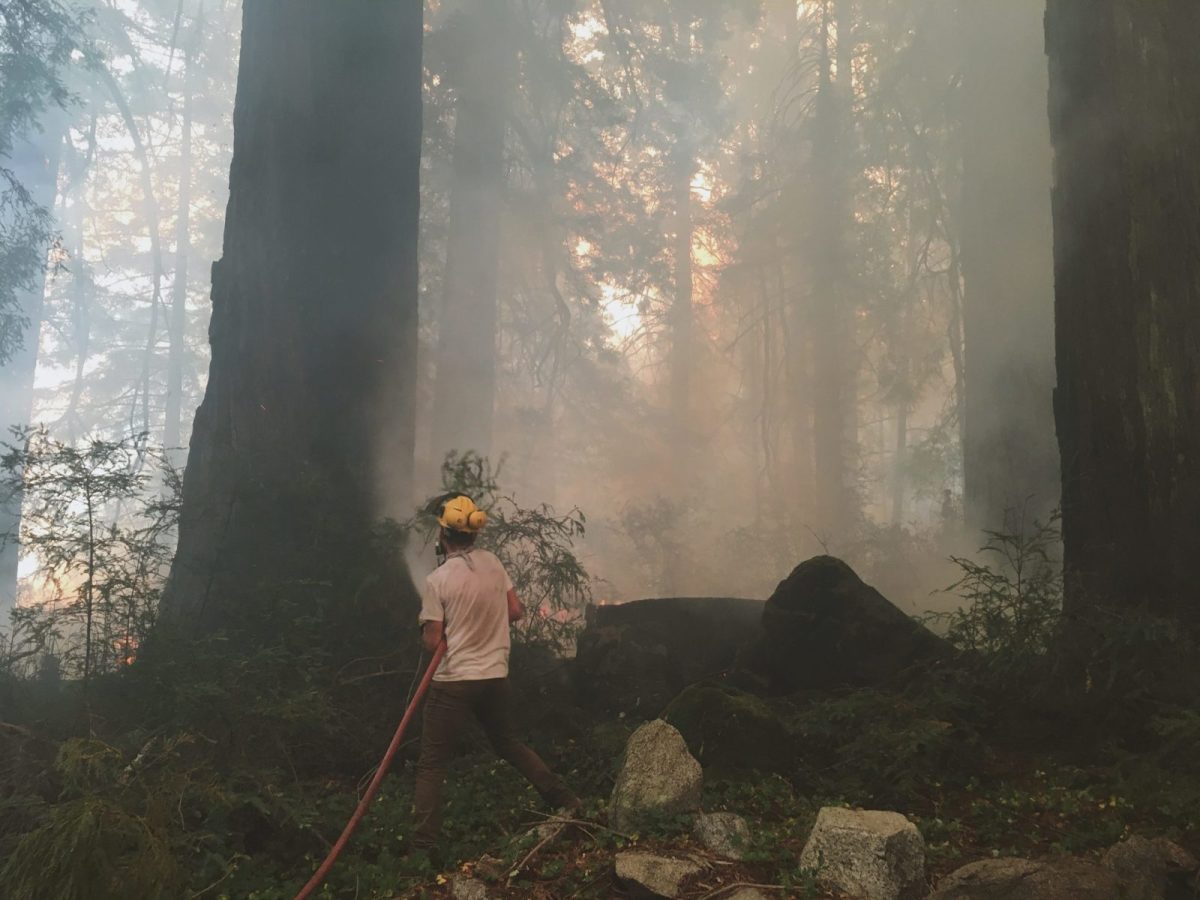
[
  {"x": 634, "y": 657},
  {"x": 724, "y": 833},
  {"x": 868, "y": 854},
  {"x": 746, "y": 893},
  {"x": 654, "y": 875},
  {"x": 1152, "y": 869},
  {"x": 657, "y": 775},
  {"x": 824, "y": 627},
  {"x": 730, "y": 731},
  {"x": 1024, "y": 879}
]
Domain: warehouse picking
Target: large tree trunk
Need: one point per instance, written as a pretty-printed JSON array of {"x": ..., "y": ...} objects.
[
  {"x": 1125, "y": 118},
  {"x": 1010, "y": 460},
  {"x": 465, "y": 385},
  {"x": 310, "y": 400},
  {"x": 35, "y": 163}
]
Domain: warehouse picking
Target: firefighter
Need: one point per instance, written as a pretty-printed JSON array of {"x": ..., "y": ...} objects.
[{"x": 470, "y": 603}]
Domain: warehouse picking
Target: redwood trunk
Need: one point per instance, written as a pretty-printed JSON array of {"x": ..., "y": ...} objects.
[
  {"x": 310, "y": 402},
  {"x": 1125, "y": 98}
]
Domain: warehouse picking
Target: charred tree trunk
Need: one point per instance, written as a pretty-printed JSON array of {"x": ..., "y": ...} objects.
[
  {"x": 1010, "y": 460},
  {"x": 465, "y": 386},
  {"x": 310, "y": 398},
  {"x": 1124, "y": 97},
  {"x": 35, "y": 163}
]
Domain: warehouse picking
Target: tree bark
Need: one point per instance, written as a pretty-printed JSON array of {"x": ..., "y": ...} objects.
[
  {"x": 1125, "y": 120},
  {"x": 35, "y": 163},
  {"x": 1010, "y": 460},
  {"x": 465, "y": 376},
  {"x": 310, "y": 399}
]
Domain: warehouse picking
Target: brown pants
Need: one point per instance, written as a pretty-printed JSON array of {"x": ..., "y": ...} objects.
[{"x": 448, "y": 708}]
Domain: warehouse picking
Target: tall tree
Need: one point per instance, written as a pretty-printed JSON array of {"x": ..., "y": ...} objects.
[
  {"x": 33, "y": 160},
  {"x": 36, "y": 40},
  {"x": 1124, "y": 98},
  {"x": 1009, "y": 455},
  {"x": 177, "y": 326},
  {"x": 310, "y": 400},
  {"x": 834, "y": 355},
  {"x": 482, "y": 73}
]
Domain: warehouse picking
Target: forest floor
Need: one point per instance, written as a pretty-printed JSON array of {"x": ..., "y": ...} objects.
[
  {"x": 970, "y": 802},
  {"x": 230, "y": 777}
]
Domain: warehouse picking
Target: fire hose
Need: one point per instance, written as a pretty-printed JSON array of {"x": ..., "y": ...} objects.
[{"x": 373, "y": 788}]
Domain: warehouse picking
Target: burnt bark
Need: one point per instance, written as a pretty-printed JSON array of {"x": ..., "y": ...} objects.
[
  {"x": 1010, "y": 459},
  {"x": 1125, "y": 120},
  {"x": 310, "y": 398},
  {"x": 465, "y": 385}
]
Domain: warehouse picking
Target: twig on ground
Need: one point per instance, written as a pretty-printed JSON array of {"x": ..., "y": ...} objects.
[
  {"x": 519, "y": 867},
  {"x": 583, "y": 823}
]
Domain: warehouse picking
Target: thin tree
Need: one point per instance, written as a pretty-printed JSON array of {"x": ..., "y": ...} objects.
[{"x": 465, "y": 387}]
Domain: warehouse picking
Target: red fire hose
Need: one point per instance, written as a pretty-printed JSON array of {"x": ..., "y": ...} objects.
[{"x": 373, "y": 788}]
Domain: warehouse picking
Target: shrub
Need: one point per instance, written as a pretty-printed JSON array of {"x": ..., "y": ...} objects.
[
  {"x": 1013, "y": 599},
  {"x": 535, "y": 544}
]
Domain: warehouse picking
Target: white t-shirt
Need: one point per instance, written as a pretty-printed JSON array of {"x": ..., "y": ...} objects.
[{"x": 469, "y": 594}]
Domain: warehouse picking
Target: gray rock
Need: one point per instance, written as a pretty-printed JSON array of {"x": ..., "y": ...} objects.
[
  {"x": 724, "y": 833},
  {"x": 747, "y": 893},
  {"x": 657, "y": 775},
  {"x": 1024, "y": 879},
  {"x": 868, "y": 854},
  {"x": 1149, "y": 868},
  {"x": 659, "y": 876},
  {"x": 464, "y": 888}
]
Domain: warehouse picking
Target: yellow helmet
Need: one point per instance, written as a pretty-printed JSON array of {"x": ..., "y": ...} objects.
[{"x": 461, "y": 514}]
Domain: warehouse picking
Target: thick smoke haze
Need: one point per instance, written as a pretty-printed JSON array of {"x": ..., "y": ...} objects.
[{"x": 744, "y": 282}]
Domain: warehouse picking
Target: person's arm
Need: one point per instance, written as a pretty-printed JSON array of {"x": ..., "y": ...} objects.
[
  {"x": 515, "y": 610},
  {"x": 431, "y": 635}
]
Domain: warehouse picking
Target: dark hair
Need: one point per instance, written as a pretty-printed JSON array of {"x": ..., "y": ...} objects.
[{"x": 457, "y": 538}]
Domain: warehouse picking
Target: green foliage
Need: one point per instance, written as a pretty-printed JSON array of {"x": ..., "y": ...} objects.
[
  {"x": 535, "y": 544},
  {"x": 102, "y": 544},
  {"x": 1013, "y": 602},
  {"x": 884, "y": 748},
  {"x": 114, "y": 831},
  {"x": 37, "y": 38}
]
